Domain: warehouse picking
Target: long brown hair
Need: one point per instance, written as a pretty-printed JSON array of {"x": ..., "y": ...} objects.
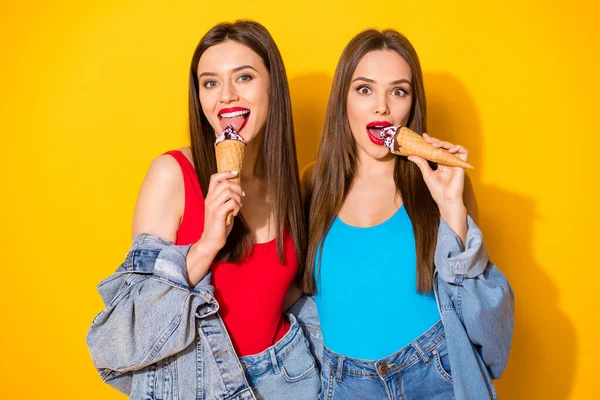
[
  {"x": 334, "y": 170},
  {"x": 276, "y": 162}
]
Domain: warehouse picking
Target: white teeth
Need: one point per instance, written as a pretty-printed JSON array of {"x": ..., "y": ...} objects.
[{"x": 234, "y": 114}]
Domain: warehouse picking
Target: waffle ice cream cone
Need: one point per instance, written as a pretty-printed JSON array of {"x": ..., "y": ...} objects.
[
  {"x": 229, "y": 149},
  {"x": 404, "y": 142}
]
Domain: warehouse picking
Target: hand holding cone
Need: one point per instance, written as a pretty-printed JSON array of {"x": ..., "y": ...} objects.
[
  {"x": 229, "y": 149},
  {"x": 403, "y": 141}
]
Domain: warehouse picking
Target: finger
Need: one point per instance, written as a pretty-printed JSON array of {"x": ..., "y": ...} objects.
[
  {"x": 215, "y": 179},
  {"x": 463, "y": 153},
  {"x": 454, "y": 149},
  {"x": 224, "y": 185},
  {"x": 229, "y": 206},
  {"x": 226, "y": 195},
  {"x": 446, "y": 145},
  {"x": 422, "y": 164},
  {"x": 437, "y": 143},
  {"x": 428, "y": 138},
  {"x": 458, "y": 149}
]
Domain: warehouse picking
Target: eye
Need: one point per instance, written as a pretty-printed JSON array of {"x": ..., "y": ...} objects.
[
  {"x": 245, "y": 78},
  {"x": 363, "y": 90},
  {"x": 399, "y": 92},
  {"x": 209, "y": 84}
]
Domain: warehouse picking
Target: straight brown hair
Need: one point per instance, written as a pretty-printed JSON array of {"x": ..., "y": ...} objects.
[
  {"x": 335, "y": 167},
  {"x": 276, "y": 162}
]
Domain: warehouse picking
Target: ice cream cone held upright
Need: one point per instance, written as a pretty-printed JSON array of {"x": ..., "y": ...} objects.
[
  {"x": 404, "y": 142},
  {"x": 229, "y": 149}
]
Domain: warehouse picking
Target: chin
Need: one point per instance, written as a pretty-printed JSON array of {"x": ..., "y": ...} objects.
[
  {"x": 248, "y": 135},
  {"x": 384, "y": 156},
  {"x": 378, "y": 152}
]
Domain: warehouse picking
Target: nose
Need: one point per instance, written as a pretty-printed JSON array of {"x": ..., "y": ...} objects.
[
  {"x": 381, "y": 106},
  {"x": 228, "y": 94}
]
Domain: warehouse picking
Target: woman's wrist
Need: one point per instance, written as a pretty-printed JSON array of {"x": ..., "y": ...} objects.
[
  {"x": 455, "y": 216},
  {"x": 198, "y": 261}
]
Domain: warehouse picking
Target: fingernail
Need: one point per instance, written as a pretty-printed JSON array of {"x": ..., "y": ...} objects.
[
  {"x": 234, "y": 172},
  {"x": 243, "y": 193}
]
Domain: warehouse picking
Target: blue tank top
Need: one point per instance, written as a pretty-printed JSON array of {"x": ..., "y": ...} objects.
[{"x": 367, "y": 292}]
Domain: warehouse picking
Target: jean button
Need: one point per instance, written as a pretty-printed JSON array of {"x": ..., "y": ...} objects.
[{"x": 383, "y": 369}]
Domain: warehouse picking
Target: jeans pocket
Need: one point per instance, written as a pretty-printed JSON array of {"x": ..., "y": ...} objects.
[
  {"x": 441, "y": 359},
  {"x": 300, "y": 364}
]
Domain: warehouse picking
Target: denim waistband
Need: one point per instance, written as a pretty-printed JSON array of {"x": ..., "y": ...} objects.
[
  {"x": 416, "y": 351},
  {"x": 272, "y": 356}
]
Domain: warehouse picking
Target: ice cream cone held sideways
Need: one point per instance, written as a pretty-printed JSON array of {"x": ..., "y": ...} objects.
[
  {"x": 229, "y": 149},
  {"x": 404, "y": 142}
]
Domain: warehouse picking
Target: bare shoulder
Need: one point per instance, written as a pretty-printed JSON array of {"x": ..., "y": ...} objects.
[
  {"x": 161, "y": 200},
  {"x": 187, "y": 152},
  {"x": 165, "y": 171}
]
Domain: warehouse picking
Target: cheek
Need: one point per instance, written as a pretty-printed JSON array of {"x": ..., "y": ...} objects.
[
  {"x": 357, "y": 110},
  {"x": 261, "y": 105},
  {"x": 403, "y": 111},
  {"x": 353, "y": 110},
  {"x": 207, "y": 103}
]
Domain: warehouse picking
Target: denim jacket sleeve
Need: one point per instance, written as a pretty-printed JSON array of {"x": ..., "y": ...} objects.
[
  {"x": 150, "y": 311},
  {"x": 482, "y": 296}
]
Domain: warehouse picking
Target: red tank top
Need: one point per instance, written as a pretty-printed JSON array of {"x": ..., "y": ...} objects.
[{"x": 250, "y": 293}]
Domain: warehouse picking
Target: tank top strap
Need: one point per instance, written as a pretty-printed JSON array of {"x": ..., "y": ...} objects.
[
  {"x": 190, "y": 178},
  {"x": 192, "y": 222}
]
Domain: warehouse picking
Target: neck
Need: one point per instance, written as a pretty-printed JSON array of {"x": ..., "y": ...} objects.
[
  {"x": 250, "y": 158},
  {"x": 370, "y": 168}
]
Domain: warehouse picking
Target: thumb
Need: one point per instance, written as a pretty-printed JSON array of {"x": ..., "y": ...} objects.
[{"x": 422, "y": 164}]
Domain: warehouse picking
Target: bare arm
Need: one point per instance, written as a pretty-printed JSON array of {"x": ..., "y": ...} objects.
[
  {"x": 161, "y": 200},
  {"x": 160, "y": 206}
]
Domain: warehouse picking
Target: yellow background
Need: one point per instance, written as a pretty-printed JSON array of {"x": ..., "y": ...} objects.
[{"x": 93, "y": 91}]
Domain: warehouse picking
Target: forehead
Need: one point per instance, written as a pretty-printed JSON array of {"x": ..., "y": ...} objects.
[
  {"x": 227, "y": 55},
  {"x": 383, "y": 66}
]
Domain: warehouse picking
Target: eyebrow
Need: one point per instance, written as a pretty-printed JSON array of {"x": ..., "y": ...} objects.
[
  {"x": 396, "y": 82},
  {"x": 236, "y": 69}
]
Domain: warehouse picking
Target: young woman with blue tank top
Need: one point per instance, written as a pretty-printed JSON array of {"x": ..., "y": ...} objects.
[{"x": 410, "y": 305}]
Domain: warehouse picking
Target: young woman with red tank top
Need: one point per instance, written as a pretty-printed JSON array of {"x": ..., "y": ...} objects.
[
  {"x": 237, "y": 79},
  {"x": 253, "y": 321}
]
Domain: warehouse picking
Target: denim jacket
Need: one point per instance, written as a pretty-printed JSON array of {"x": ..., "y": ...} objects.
[
  {"x": 158, "y": 338},
  {"x": 476, "y": 304}
]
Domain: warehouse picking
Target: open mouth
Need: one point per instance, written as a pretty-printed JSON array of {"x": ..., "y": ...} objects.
[
  {"x": 374, "y": 131},
  {"x": 237, "y": 117}
]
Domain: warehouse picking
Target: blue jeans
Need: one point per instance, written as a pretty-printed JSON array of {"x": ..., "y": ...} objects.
[
  {"x": 420, "y": 370},
  {"x": 285, "y": 370}
]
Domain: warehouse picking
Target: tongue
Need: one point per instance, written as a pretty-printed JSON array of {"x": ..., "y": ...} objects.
[
  {"x": 235, "y": 122},
  {"x": 375, "y": 132}
]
